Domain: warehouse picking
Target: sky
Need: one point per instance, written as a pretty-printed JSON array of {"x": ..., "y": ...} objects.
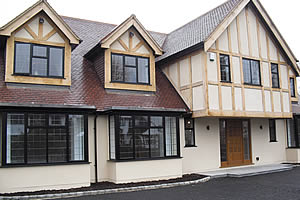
[{"x": 160, "y": 15}]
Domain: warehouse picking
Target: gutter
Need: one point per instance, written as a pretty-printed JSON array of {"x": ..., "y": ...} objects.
[{"x": 95, "y": 149}]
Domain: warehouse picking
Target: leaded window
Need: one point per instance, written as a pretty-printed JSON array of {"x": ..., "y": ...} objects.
[
  {"x": 143, "y": 136},
  {"x": 40, "y": 138},
  {"x": 225, "y": 68},
  {"x": 275, "y": 75}
]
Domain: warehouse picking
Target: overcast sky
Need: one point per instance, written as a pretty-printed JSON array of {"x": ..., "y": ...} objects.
[{"x": 160, "y": 15}]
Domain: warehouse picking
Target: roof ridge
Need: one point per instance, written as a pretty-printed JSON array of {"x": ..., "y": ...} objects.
[
  {"x": 87, "y": 20},
  {"x": 201, "y": 16}
]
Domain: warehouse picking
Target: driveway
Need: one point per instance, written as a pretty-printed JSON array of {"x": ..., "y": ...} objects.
[{"x": 276, "y": 186}]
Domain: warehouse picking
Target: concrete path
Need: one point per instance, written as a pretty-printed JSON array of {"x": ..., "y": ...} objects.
[{"x": 248, "y": 170}]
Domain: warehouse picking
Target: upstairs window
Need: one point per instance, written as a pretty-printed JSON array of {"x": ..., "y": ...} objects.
[
  {"x": 275, "y": 75},
  {"x": 39, "y": 60},
  {"x": 130, "y": 69},
  {"x": 251, "y": 71},
  {"x": 225, "y": 68},
  {"x": 292, "y": 86}
]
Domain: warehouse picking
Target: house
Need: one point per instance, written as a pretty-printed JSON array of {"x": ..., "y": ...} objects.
[{"x": 84, "y": 101}]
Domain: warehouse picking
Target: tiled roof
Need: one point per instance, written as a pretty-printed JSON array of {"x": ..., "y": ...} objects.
[
  {"x": 87, "y": 88},
  {"x": 197, "y": 30}
]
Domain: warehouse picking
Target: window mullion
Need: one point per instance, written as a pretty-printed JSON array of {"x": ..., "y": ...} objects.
[
  {"x": 117, "y": 136},
  {"x": 67, "y": 139},
  {"x": 4, "y": 137},
  {"x": 48, "y": 55},
  {"x": 30, "y": 62},
  {"x": 124, "y": 68},
  {"x": 164, "y": 133},
  {"x": 25, "y": 137},
  {"x": 149, "y": 131},
  {"x": 133, "y": 133},
  {"x": 250, "y": 68},
  {"x": 47, "y": 146},
  {"x": 136, "y": 69}
]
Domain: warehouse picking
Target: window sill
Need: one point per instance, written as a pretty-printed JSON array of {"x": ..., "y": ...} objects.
[
  {"x": 296, "y": 148},
  {"x": 43, "y": 164},
  {"x": 53, "y": 77},
  {"x": 146, "y": 159},
  {"x": 131, "y": 83},
  {"x": 188, "y": 146},
  {"x": 225, "y": 81},
  {"x": 273, "y": 141},
  {"x": 249, "y": 84}
]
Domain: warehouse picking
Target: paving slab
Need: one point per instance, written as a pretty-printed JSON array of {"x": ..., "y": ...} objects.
[{"x": 248, "y": 170}]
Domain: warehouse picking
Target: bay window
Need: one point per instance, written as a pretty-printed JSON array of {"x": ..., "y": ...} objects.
[
  {"x": 41, "y": 138},
  {"x": 143, "y": 137}
]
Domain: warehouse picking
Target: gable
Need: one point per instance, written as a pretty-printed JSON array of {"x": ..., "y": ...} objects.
[
  {"x": 30, "y": 13},
  {"x": 35, "y": 31},
  {"x": 252, "y": 18},
  {"x": 131, "y": 23},
  {"x": 131, "y": 41}
]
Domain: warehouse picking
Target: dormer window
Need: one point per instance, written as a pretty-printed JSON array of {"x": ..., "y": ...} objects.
[
  {"x": 39, "y": 60},
  {"x": 130, "y": 69}
]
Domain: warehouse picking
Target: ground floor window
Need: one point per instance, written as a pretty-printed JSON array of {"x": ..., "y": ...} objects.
[
  {"x": 38, "y": 138},
  {"x": 143, "y": 136},
  {"x": 189, "y": 130},
  {"x": 272, "y": 130},
  {"x": 293, "y": 132}
]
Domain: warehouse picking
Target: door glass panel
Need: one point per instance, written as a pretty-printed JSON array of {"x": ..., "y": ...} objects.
[
  {"x": 246, "y": 140},
  {"x": 223, "y": 140}
]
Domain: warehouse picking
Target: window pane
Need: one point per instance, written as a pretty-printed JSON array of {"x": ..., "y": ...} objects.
[
  {"x": 291, "y": 133},
  {"x": 292, "y": 84},
  {"x": 255, "y": 72},
  {"x": 246, "y": 71},
  {"x": 15, "y": 138},
  {"x": 57, "y": 120},
  {"x": 112, "y": 137},
  {"x": 189, "y": 137},
  {"x": 130, "y": 61},
  {"x": 39, "y": 67},
  {"x": 40, "y": 51},
  {"x": 298, "y": 130},
  {"x": 189, "y": 123},
  {"x": 22, "y": 58},
  {"x": 223, "y": 141},
  {"x": 76, "y": 138},
  {"x": 225, "y": 69},
  {"x": 171, "y": 136},
  {"x": 117, "y": 68},
  {"x": 36, "y": 120},
  {"x": 56, "y": 62},
  {"x": 157, "y": 142},
  {"x": 57, "y": 145},
  {"x": 272, "y": 130},
  {"x": 156, "y": 121},
  {"x": 275, "y": 83},
  {"x": 130, "y": 75},
  {"x": 126, "y": 137},
  {"x": 246, "y": 140},
  {"x": 36, "y": 145},
  {"x": 143, "y": 70},
  {"x": 274, "y": 68},
  {"x": 141, "y": 121},
  {"x": 141, "y": 142}
]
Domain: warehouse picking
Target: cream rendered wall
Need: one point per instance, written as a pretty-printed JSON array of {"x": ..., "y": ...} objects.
[
  {"x": 243, "y": 33},
  {"x": 213, "y": 97},
  {"x": 184, "y": 72},
  {"x": 20, "y": 179},
  {"x": 212, "y": 68},
  {"x": 268, "y": 152},
  {"x": 253, "y": 100},
  {"x": 284, "y": 77},
  {"x": 293, "y": 155},
  {"x": 226, "y": 98},
  {"x": 206, "y": 155}
]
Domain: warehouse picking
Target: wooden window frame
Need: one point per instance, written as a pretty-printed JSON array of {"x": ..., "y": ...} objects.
[
  {"x": 251, "y": 72},
  {"x": 193, "y": 132},
  {"x": 117, "y": 128},
  {"x": 136, "y": 68},
  {"x": 277, "y": 74},
  {"x": 221, "y": 66},
  {"x": 272, "y": 130},
  {"x": 47, "y": 127},
  {"x": 48, "y": 47}
]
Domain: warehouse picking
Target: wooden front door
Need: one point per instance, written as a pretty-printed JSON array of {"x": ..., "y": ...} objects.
[
  {"x": 235, "y": 142},
  {"x": 235, "y": 153}
]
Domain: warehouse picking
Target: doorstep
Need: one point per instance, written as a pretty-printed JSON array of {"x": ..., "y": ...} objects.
[{"x": 244, "y": 171}]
